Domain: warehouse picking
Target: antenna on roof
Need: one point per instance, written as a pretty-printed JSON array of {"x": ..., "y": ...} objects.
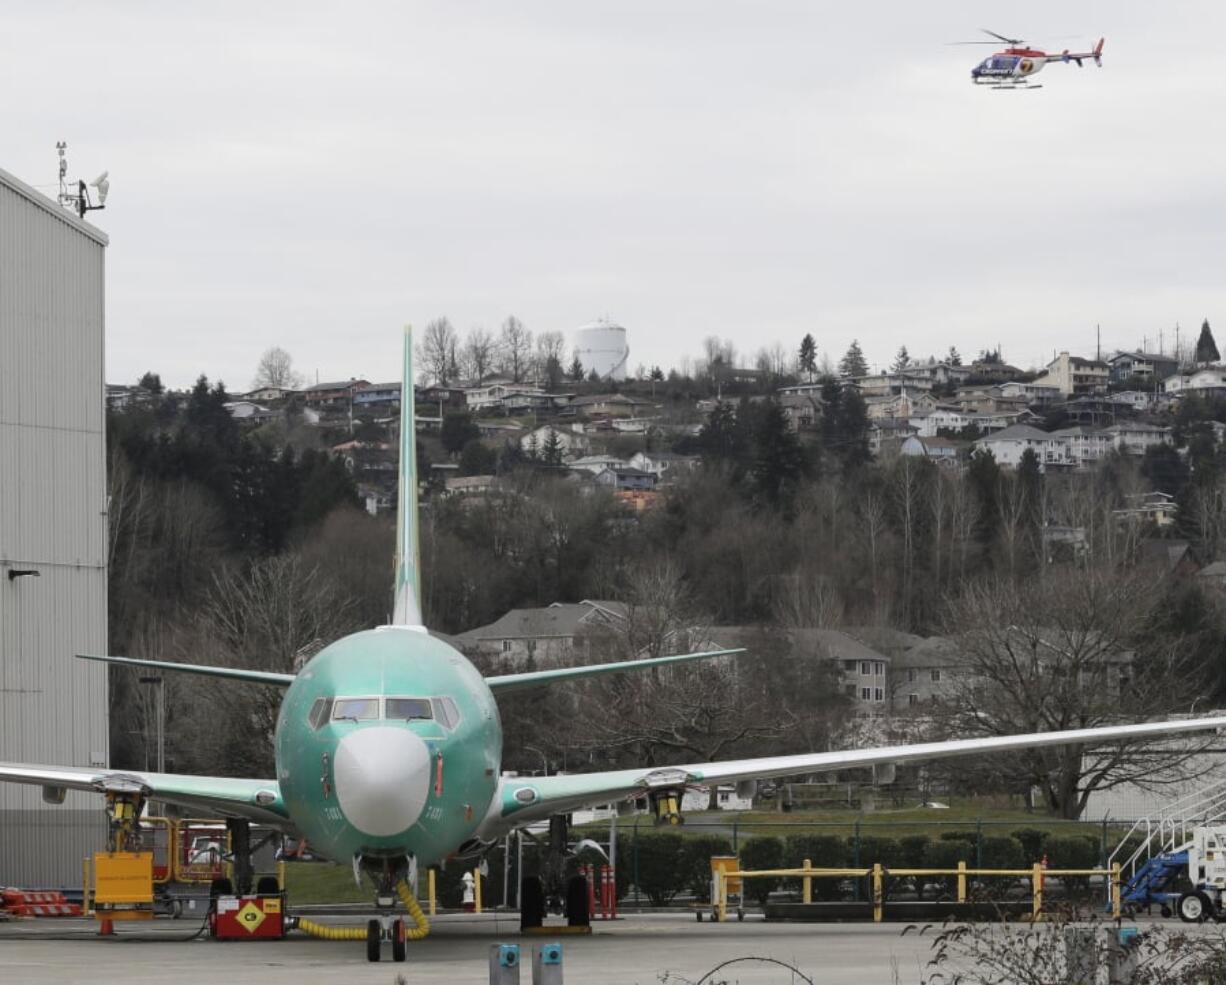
[{"x": 80, "y": 202}]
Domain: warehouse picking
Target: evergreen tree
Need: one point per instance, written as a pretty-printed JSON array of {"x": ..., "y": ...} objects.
[
  {"x": 902, "y": 360},
  {"x": 553, "y": 371},
  {"x": 779, "y": 458},
  {"x": 718, "y": 438},
  {"x": 477, "y": 459},
  {"x": 984, "y": 476},
  {"x": 458, "y": 430},
  {"x": 1206, "y": 348},
  {"x": 808, "y": 356},
  {"x": 853, "y": 362},
  {"x": 151, "y": 383},
  {"x": 576, "y": 370},
  {"x": 551, "y": 453},
  {"x": 954, "y": 358}
]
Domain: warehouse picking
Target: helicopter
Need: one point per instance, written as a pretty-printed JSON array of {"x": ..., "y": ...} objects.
[{"x": 1014, "y": 67}]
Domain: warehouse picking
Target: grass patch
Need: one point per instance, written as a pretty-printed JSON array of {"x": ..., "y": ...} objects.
[{"x": 323, "y": 882}]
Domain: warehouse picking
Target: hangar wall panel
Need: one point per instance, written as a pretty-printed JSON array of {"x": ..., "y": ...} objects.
[{"x": 53, "y": 708}]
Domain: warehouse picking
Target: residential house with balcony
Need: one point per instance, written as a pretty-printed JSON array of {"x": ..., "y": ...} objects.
[
  {"x": 334, "y": 394},
  {"x": 1147, "y": 366},
  {"x": 1074, "y": 376},
  {"x": 380, "y": 399}
]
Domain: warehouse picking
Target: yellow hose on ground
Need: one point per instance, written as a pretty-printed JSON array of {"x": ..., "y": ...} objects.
[
  {"x": 419, "y": 918},
  {"x": 326, "y": 933},
  {"x": 415, "y": 933}
]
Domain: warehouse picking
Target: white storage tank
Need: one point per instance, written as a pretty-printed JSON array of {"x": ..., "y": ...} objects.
[{"x": 602, "y": 346}]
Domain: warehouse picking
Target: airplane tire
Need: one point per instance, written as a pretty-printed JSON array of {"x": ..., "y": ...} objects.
[
  {"x": 267, "y": 886},
  {"x": 1194, "y": 907},
  {"x": 531, "y": 902},
  {"x": 220, "y": 887},
  {"x": 577, "y": 913},
  {"x": 373, "y": 934},
  {"x": 398, "y": 945}
]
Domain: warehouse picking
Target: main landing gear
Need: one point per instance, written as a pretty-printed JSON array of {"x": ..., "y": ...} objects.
[{"x": 553, "y": 890}]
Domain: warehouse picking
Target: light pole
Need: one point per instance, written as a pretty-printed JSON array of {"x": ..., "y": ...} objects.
[
  {"x": 544, "y": 761},
  {"x": 161, "y": 719}
]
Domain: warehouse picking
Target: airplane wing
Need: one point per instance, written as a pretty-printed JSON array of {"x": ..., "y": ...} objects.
[
  {"x": 214, "y": 796},
  {"x": 518, "y": 682},
  {"x": 207, "y": 670},
  {"x": 523, "y": 800}
]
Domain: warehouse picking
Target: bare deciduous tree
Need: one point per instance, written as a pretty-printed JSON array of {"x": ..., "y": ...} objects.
[
  {"x": 276, "y": 369},
  {"x": 1069, "y": 652},
  {"x": 437, "y": 351},
  {"x": 478, "y": 353},
  {"x": 515, "y": 348}
]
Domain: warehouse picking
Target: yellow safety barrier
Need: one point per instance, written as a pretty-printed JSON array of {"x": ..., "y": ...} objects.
[
  {"x": 477, "y": 890},
  {"x": 878, "y": 873},
  {"x": 430, "y": 891}
]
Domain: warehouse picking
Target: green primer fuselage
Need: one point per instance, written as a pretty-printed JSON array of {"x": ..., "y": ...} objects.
[{"x": 400, "y": 662}]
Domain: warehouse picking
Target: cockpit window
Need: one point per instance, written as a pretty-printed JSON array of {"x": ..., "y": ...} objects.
[
  {"x": 320, "y": 712},
  {"x": 357, "y": 709},
  {"x": 408, "y": 709},
  {"x": 446, "y": 712}
]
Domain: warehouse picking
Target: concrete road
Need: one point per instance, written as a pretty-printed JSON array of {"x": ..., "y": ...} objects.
[{"x": 640, "y": 950}]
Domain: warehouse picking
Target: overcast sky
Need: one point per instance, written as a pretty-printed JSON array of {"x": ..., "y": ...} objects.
[{"x": 315, "y": 176}]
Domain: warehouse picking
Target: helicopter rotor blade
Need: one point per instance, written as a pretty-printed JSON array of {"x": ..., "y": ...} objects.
[{"x": 1001, "y": 37}]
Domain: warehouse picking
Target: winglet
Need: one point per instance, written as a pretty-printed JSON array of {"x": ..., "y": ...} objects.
[{"x": 406, "y": 610}]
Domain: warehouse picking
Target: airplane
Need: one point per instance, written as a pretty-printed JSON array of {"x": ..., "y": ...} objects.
[
  {"x": 388, "y": 754},
  {"x": 1014, "y": 67}
]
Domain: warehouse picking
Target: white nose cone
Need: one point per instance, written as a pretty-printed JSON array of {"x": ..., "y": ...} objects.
[{"x": 382, "y": 779}]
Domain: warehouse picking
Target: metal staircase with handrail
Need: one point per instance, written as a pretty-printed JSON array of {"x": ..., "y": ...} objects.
[{"x": 1147, "y": 865}]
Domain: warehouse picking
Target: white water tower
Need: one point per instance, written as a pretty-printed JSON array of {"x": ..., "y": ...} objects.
[{"x": 602, "y": 346}]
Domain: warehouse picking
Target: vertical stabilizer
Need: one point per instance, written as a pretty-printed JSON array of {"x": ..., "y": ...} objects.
[{"x": 406, "y": 610}]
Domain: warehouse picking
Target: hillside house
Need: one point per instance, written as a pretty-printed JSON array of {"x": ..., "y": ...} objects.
[
  {"x": 266, "y": 394},
  {"x": 664, "y": 465},
  {"x": 1074, "y": 376},
  {"x": 943, "y": 451},
  {"x": 334, "y": 394},
  {"x": 1208, "y": 382},
  {"x": 570, "y": 444},
  {"x": 625, "y": 478},
  {"x": 557, "y": 635},
  {"x": 1147, "y": 366},
  {"x": 376, "y": 398}
]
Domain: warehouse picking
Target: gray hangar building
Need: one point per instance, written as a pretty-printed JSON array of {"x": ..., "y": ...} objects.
[{"x": 53, "y": 523}]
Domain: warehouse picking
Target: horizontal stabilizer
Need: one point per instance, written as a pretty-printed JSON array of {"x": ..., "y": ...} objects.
[
  {"x": 517, "y": 682},
  {"x": 235, "y": 673}
]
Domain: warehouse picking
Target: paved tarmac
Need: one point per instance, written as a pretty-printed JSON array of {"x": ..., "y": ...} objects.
[{"x": 640, "y": 950}]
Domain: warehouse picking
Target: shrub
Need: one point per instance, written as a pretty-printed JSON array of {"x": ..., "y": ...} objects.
[
  {"x": 825, "y": 852},
  {"x": 1002, "y": 852},
  {"x": 659, "y": 874},
  {"x": 694, "y": 863},
  {"x": 1072, "y": 852},
  {"x": 875, "y": 850},
  {"x": 761, "y": 853},
  {"x": 946, "y": 854},
  {"x": 1032, "y": 840}
]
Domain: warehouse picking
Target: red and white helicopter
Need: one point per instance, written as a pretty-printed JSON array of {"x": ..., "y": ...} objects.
[{"x": 1014, "y": 67}]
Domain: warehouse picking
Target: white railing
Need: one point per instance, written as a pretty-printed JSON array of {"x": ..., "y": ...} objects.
[{"x": 1170, "y": 829}]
